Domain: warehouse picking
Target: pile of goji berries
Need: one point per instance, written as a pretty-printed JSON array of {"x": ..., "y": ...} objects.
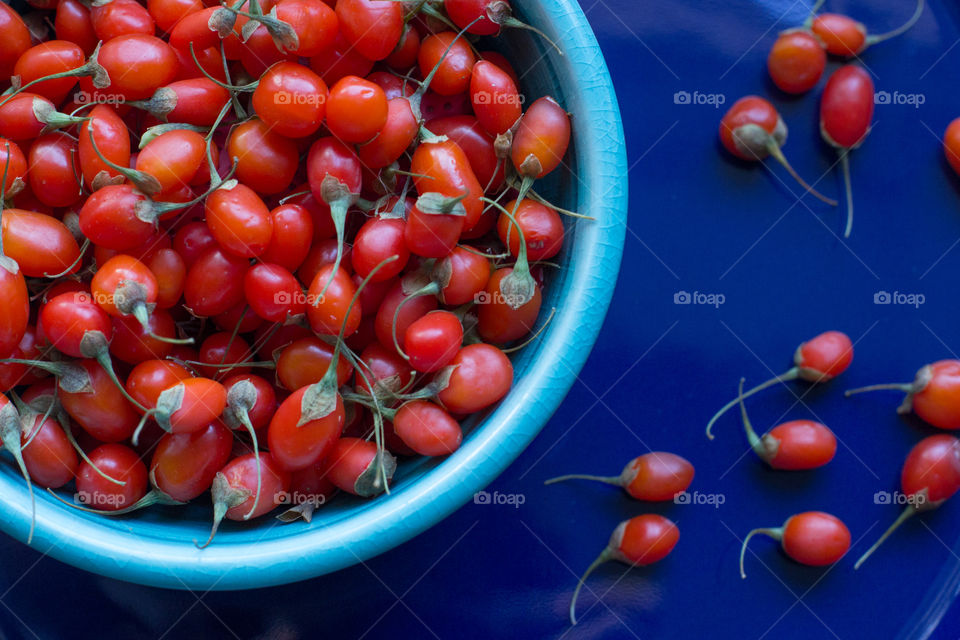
[{"x": 262, "y": 248}]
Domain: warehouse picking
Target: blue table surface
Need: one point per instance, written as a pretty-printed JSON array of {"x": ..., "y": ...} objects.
[{"x": 699, "y": 222}]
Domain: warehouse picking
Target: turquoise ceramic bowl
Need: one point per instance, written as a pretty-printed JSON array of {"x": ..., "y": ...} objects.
[{"x": 156, "y": 547}]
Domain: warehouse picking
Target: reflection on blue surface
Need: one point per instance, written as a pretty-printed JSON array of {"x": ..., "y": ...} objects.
[{"x": 700, "y": 222}]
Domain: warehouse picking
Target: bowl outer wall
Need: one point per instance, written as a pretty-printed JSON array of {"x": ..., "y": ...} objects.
[{"x": 139, "y": 552}]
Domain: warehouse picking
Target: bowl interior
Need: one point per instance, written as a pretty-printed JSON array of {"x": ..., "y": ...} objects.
[{"x": 155, "y": 546}]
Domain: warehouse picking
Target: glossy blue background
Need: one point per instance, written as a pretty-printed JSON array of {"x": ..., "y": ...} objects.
[{"x": 699, "y": 222}]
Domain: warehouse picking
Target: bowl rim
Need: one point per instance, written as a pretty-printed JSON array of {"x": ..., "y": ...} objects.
[{"x": 117, "y": 552}]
